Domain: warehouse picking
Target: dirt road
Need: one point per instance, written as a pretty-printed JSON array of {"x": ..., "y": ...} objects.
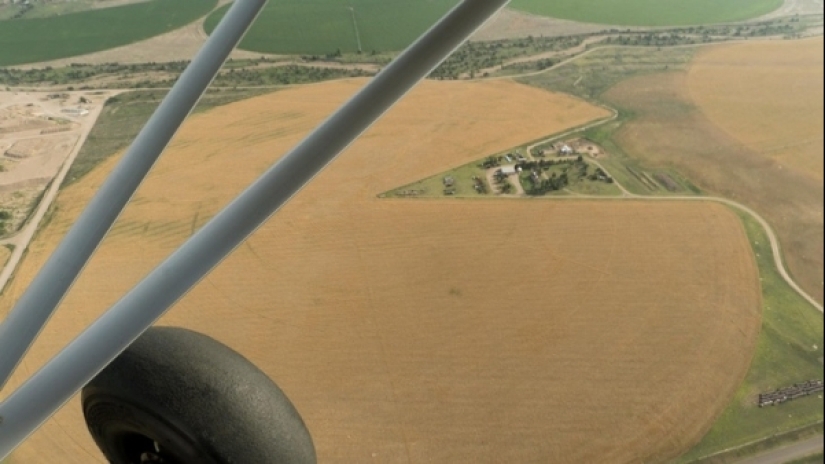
[
  {"x": 788, "y": 453},
  {"x": 21, "y": 239}
]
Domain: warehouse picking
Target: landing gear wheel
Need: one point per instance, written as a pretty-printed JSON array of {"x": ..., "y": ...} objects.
[{"x": 180, "y": 397}]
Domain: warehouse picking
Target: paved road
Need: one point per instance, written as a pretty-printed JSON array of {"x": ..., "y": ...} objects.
[{"x": 788, "y": 453}]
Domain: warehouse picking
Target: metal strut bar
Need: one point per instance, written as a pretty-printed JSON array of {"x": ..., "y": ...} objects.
[
  {"x": 20, "y": 328},
  {"x": 49, "y": 388}
]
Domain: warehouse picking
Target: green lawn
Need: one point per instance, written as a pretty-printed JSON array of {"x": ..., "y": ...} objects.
[
  {"x": 649, "y": 12},
  {"x": 789, "y": 350},
  {"x": 43, "y": 39},
  {"x": 319, "y": 27}
]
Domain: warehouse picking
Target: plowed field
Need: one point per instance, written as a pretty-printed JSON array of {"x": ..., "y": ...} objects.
[{"x": 434, "y": 331}]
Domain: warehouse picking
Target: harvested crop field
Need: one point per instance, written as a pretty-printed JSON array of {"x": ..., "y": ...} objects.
[
  {"x": 744, "y": 122},
  {"x": 435, "y": 331},
  {"x": 768, "y": 96}
]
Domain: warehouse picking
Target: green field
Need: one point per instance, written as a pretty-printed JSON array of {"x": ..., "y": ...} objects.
[
  {"x": 321, "y": 27},
  {"x": 43, "y": 39},
  {"x": 649, "y": 12}
]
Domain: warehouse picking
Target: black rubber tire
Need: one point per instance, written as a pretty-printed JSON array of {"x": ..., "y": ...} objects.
[{"x": 196, "y": 401}]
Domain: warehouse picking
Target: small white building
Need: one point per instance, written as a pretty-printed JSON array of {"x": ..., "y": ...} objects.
[{"x": 75, "y": 111}]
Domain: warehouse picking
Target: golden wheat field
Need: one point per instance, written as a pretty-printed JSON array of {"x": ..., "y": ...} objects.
[
  {"x": 434, "y": 330},
  {"x": 746, "y": 129},
  {"x": 767, "y": 95}
]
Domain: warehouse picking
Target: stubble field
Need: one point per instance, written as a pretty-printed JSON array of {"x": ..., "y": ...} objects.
[
  {"x": 434, "y": 331},
  {"x": 743, "y": 122}
]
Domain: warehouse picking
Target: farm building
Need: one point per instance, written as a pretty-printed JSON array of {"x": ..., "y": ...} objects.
[
  {"x": 507, "y": 170},
  {"x": 75, "y": 111}
]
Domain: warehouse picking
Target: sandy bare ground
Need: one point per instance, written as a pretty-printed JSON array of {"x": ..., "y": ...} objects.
[
  {"x": 510, "y": 23},
  {"x": 795, "y": 7},
  {"x": 383, "y": 320},
  {"x": 48, "y": 159}
]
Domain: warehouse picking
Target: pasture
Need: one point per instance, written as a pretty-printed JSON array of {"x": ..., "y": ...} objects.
[
  {"x": 649, "y": 12},
  {"x": 433, "y": 330},
  {"x": 42, "y": 39},
  {"x": 760, "y": 145},
  {"x": 320, "y": 27}
]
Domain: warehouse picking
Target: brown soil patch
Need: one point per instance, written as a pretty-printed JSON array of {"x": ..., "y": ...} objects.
[
  {"x": 670, "y": 130},
  {"x": 768, "y": 96},
  {"x": 619, "y": 335},
  {"x": 21, "y": 118},
  {"x": 510, "y": 23}
]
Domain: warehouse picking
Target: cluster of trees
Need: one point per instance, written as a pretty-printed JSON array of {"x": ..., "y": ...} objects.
[
  {"x": 244, "y": 73},
  {"x": 538, "y": 65},
  {"x": 77, "y": 73},
  {"x": 4, "y": 217},
  {"x": 491, "y": 162},
  {"x": 536, "y": 185},
  {"x": 474, "y": 56},
  {"x": 539, "y": 186},
  {"x": 281, "y": 75},
  {"x": 700, "y": 34},
  {"x": 504, "y": 186}
]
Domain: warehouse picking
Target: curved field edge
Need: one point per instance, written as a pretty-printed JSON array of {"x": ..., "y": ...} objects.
[
  {"x": 43, "y": 39},
  {"x": 324, "y": 27},
  {"x": 784, "y": 354},
  {"x": 410, "y": 229},
  {"x": 789, "y": 350},
  {"x": 649, "y": 12}
]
